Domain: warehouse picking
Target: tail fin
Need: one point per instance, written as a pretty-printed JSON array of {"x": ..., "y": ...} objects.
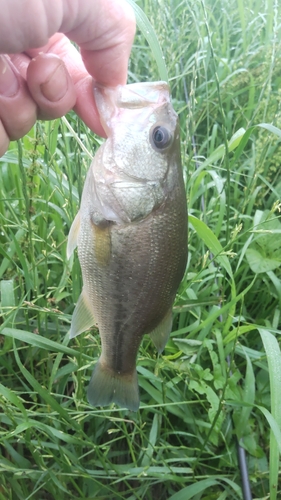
[{"x": 107, "y": 387}]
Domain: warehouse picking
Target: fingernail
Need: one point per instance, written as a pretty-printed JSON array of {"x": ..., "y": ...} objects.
[
  {"x": 9, "y": 83},
  {"x": 57, "y": 84}
]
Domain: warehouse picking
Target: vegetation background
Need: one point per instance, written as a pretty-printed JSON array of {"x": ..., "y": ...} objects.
[{"x": 219, "y": 379}]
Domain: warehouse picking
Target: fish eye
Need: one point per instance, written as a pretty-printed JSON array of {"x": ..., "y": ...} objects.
[{"x": 161, "y": 137}]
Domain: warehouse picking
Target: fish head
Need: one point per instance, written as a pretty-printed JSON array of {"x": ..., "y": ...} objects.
[
  {"x": 142, "y": 129},
  {"x": 139, "y": 164}
]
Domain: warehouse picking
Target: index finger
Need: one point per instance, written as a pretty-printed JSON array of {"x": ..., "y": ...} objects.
[
  {"x": 85, "y": 104},
  {"x": 106, "y": 56}
]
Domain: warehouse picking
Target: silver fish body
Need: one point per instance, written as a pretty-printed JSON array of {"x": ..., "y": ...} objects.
[{"x": 131, "y": 233}]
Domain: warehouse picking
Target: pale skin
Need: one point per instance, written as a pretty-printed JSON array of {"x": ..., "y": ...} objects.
[{"x": 42, "y": 75}]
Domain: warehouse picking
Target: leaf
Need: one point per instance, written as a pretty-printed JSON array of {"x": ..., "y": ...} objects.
[
  {"x": 260, "y": 263},
  {"x": 236, "y": 139},
  {"x": 220, "y": 151},
  {"x": 149, "y": 33},
  {"x": 148, "y": 453},
  {"x": 7, "y": 293},
  {"x": 41, "y": 342},
  {"x": 241, "y": 416},
  {"x": 273, "y": 354},
  {"x": 274, "y": 428},
  {"x": 194, "y": 489},
  {"x": 211, "y": 242},
  {"x": 45, "y": 395},
  {"x": 7, "y": 305},
  {"x": 263, "y": 253},
  {"x": 12, "y": 398},
  {"x": 271, "y": 128},
  {"x": 188, "y": 346}
]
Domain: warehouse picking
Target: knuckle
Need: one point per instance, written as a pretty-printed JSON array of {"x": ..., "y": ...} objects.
[
  {"x": 4, "y": 140},
  {"x": 20, "y": 124}
]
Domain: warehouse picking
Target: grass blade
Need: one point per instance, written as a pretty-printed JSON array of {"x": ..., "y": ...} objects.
[
  {"x": 149, "y": 33},
  {"x": 41, "y": 342},
  {"x": 273, "y": 354}
]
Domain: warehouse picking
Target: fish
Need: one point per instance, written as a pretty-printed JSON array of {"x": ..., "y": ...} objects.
[{"x": 131, "y": 234}]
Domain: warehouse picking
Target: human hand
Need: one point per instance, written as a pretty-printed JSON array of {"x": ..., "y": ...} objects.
[{"x": 44, "y": 76}]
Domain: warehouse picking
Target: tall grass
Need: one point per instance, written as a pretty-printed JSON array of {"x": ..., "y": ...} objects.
[{"x": 219, "y": 378}]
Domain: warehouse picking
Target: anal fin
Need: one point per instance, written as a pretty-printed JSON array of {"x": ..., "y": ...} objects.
[
  {"x": 82, "y": 318},
  {"x": 160, "y": 335}
]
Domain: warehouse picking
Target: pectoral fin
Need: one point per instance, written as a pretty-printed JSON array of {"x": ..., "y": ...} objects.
[
  {"x": 82, "y": 318},
  {"x": 160, "y": 335},
  {"x": 102, "y": 245},
  {"x": 73, "y": 236}
]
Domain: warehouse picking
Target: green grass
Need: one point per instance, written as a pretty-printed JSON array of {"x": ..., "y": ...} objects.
[{"x": 194, "y": 404}]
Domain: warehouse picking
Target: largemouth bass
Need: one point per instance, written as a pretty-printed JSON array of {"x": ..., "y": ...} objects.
[{"x": 131, "y": 233}]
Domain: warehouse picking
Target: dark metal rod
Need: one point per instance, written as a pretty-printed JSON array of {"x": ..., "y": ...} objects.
[{"x": 246, "y": 489}]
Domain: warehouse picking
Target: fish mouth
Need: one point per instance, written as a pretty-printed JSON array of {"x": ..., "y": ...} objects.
[{"x": 111, "y": 100}]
